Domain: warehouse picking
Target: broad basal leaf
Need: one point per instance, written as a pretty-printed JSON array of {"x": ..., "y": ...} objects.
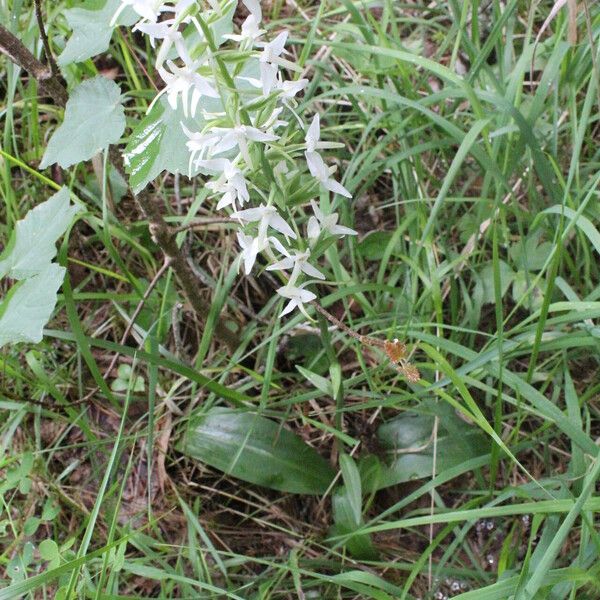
[
  {"x": 257, "y": 450},
  {"x": 29, "y": 305},
  {"x": 33, "y": 242},
  {"x": 407, "y": 441},
  {"x": 94, "y": 118},
  {"x": 158, "y": 143},
  {"x": 92, "y": 30}
]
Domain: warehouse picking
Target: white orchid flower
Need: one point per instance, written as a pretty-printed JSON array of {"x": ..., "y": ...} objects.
[
  {"x": 297, "y": 296},
  {"x": 199, "y": 145},
  {"x": 270, "y": 60},
  {"x": 221, "y": 148},
  {"x": 239, "y": 136},
  {"x": 230, "y": 183},
  {"x": 266, "y": 216},
  {"x": 322, "y": 173},
  {"x": 288, "y": 90},
  {"x": 273, "y": 122},
  {"x": 313, "y": 135},
  {"x": 168, "y": 31},
  {"x": 180, "y": 80},
  {"x": 250, "y": 30},
  {"x": 328, "y": 223},
  {"x": 298, "y": 263},
  {"x": 251, "y": 246},
  {"x": 147, "y": 9}
]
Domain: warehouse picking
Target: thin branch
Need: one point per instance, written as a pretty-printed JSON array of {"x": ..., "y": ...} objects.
[
  {"x": 204, "y": 223},
  {"x": 395, "y": 350},
  {"x": 363, "y": 339},
  {"x": 18, "y": 53},
  {"x": 164, "y": 236},
  {"x": 136, "y": 313},
  {"x": 45, "y": 41}
]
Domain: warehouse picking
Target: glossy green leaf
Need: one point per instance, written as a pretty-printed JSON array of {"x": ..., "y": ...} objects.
[
  {"x": 28, "y": 306},
  {"x": 33, "y": 242},
  {"x": 94, "y": 118},
  {"x": 256, "y": 449},
  {"x": 157, "y": 144},
  {"x": 92, "y": 30},
  {"x": 408, "y": 443}
]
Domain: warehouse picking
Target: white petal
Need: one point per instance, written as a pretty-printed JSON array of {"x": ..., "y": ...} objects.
[
  {"x": 278, "y": 44},
  {"x": 213, "y": 164},
  {"x": 253, "y": 7},
  {"x": 268, "y": 76},
  {"x": 317, "y": 166},
  {"x": 341, "y": 230},
  {"x": 195, "y": 99},
  {"x": 313, "y": 133},
  {"x": 227, "y": 142},
  {"x": 312, "y": 271},
  {"x": 250, "y": 214},
  {"x": 291, "y": 305},
  {"x": 306, "y": 296},
  {"x": 256, "y": 135},
  {"x": 203, "y": 86},
  {"x": 277, "y": 222},
  {"x": 282, "y": 265},
  {"x": 337, "y": 188},
  {"x": 226, "y": 200},
  {"x": 318, "y": 214},
  {"x": 278, "y": 246},
  {"x": 250, "y": 253},
  {"x": 313, "y": 229},
  {"x": 245, "y": 241}
]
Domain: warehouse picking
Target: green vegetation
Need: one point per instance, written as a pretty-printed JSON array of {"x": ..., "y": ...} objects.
[{"x": 141, "y": 457}]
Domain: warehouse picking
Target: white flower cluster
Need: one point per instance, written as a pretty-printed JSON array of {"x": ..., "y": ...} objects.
[{"x": 238, "y": 143}]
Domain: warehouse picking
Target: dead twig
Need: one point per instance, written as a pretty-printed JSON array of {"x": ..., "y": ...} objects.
[{"x": 45, "y": 41}]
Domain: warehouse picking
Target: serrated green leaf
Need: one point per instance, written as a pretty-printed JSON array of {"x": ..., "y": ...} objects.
[
  {"x": 256, "y": 449},
  {"x": 94, "y": 118},
  {"x": 29, "y": 305},
  {"x": 158, "y": 143},
  {"x": 92, "y": 30},
  {"x": 33, "y": 242}
]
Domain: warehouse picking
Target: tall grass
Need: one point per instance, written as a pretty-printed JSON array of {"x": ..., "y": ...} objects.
[{"x": 473, "y": 160}]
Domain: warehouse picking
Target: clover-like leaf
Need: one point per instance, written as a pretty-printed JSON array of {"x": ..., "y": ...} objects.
[
  {"x": 33, "y": 242},
  {"x": 94, "y": 118},
  {"x": 28, "y": 306},
  {"x": 92, "y": 29}
]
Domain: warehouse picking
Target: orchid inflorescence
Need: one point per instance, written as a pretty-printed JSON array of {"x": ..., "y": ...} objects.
[{"x": 237, "y": 97}]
